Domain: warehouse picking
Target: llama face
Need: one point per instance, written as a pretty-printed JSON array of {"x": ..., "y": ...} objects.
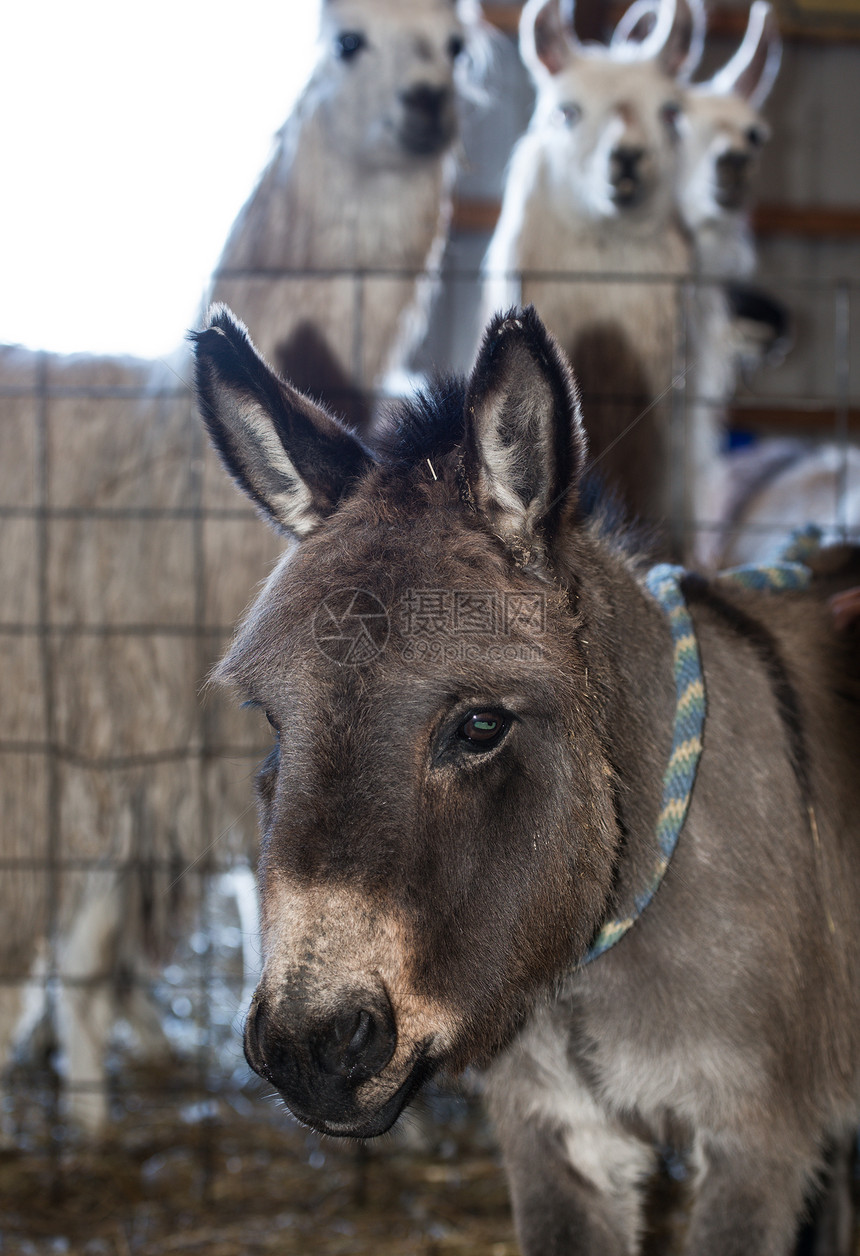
[
  {"x": 391, "y": 66},
  {"x": 722, "y": 131},
  {"x": 721, "y": 139},
  {"x": 611, "y": 131},
  {"x": 607, "y": 119}
]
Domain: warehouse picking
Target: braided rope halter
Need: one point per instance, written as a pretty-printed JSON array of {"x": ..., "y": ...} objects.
[{"x": 664, "y": 584}]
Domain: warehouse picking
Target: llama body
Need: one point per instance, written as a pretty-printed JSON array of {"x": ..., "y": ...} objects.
[
  {"x": 131, "y": 765},
  {"x": 445, "y": 834},
  {"x": 353, "y": 209},
  {"x": 722, "y": 133},
  {"x": 360, "y": 179},
  {"x": 590, "y": 191},
  {"x": 779, "y": 486}
]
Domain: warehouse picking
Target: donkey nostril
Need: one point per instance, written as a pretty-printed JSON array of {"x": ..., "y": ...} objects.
[
  {"x": 361, "y": 1036},
  {"x": 356, "y": 1045}
]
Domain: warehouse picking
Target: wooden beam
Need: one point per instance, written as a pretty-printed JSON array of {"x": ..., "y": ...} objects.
[
  {"x": 822, "y": 422},
  {"x": 724, "y": 22},
  {"x": 816, "y": 222}
]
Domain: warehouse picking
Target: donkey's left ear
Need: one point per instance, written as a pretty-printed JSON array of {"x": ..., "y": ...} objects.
[
  {"x": 524, "y": 443},
  {"x": 288, "y": 454}
]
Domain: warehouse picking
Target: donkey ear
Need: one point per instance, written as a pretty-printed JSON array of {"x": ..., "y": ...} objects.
[
  {"x": 547, "y": 42},
  {"x": 524, "y": 443},
  {"x": 752, "y": 71},
  {"x": 290, "y": 456}
]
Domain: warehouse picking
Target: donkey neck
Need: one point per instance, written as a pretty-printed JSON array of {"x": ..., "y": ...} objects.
[{"x": 630, "y": 653}]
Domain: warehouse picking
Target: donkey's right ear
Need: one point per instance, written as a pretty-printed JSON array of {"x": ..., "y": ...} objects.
[
  {"x": 289, "y": 455},
  {"x": 524, "y": 446}
]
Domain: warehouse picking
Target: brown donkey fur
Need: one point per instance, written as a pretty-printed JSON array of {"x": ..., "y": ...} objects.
[{"x": 473, "y": 696}]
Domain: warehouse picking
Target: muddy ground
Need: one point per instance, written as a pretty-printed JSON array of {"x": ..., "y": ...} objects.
[{"x": 230, "y": 1174}]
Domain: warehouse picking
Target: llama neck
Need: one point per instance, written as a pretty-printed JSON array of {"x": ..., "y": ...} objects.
[
  {"x": 557, "y": 234},
  {"x": 314, "y": 208},
  {"x": 723, "y": 245}
]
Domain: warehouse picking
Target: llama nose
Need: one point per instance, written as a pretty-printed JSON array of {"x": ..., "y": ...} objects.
[
  {"x": 625, "y": 161},
  {"x": 734, "y": 162},
  {"x": 426, "y": 99},
  {"x": 357, "y": 1043},
  {"x": 732, "y": 173}
]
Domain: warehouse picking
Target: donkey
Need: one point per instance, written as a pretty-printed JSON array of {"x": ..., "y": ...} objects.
[
  {"x": 332, "y": 251},
  {"x": 473, "y": 686},
  {"x": 590, "y": 191}
]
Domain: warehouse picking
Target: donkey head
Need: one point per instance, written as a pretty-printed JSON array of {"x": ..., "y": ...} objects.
[
  {"x": 438, "y": 832},
  {"x": 609, "y": 115},
  {"x": 390, "y": 67},
  {"x": 722, "y": 132}
]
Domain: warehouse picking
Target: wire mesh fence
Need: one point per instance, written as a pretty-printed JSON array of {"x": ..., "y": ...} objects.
[{"x": 130, "y": 1122}]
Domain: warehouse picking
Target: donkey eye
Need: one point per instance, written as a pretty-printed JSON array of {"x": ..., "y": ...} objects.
[
  {"x": 348, "y": 44},
  {"x": 456, "y": 44},
  {"x": 755, "y": 136},
  {"x": 569, "y": 113},
  {"x": 273, "y": 724},
  {"x": 483, "y": 729}
]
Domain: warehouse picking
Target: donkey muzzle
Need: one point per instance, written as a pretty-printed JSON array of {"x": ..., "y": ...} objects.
[{"x": 327, "y": 1068}]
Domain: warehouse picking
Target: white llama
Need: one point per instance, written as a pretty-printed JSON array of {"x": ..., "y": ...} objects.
[
  {"x": 721, "y": 133},
  {"x": 328, "y": 261},
  {"x": 152, "y": 567},
  {"x": 590, "y": 192}
]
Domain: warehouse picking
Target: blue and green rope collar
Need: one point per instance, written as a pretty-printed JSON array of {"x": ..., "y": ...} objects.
[{"x": 664, "y": 583}]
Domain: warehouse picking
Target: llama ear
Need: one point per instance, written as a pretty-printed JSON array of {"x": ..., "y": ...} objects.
[
  {"x": 635, "y": 23},
  {"x": 290, "y": 456},
  {"x": 752, "y": 71},
  {"x": 678, "y": 44},
  {"x": 524, "y": 443},
  {"x": 547, "y": 42}
]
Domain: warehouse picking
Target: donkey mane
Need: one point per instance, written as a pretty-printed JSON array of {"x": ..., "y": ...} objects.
[{"x": 429, "y": 424}]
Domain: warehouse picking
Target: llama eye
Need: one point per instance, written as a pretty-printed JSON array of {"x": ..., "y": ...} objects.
[
  {"x": 755, "y": 136},
  {"x": 669, "y": 114},
  {"x": 348, "y": 44},
  {"x": 456, "y": 44},
  {"x": 483, "y": 729},
  {"x": 569, "y": 113}
]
